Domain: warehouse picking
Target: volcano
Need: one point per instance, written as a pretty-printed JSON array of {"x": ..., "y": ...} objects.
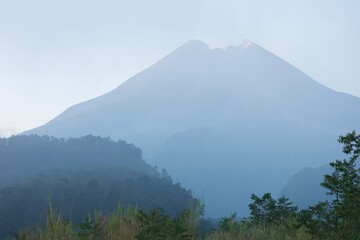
[{"x": 223, "y": 122}]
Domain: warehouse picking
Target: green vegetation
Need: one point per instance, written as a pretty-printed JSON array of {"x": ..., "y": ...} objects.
[
  {"x": 132, "y": 223},
  {"x": 340, "y": 218},
  {"x": 129, "y": 223},
  {"x": 269, "y": 218},
  {"x": 336, "y": 219},
  {"x": 79, "y": 176}
]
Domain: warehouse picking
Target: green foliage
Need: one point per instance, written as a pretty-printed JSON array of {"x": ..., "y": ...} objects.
[
  {"x": 87, "y": 228},
  {"x": 155, "y": 225},
  {"x": 269, "y": 218},
  {"x": 158, "y": 225},
  {"x": 119, "y": 224},
  {"x": 55, "y": 229},
  {"x": 266, "y": 210},
  {"x": 228, "y": 224},
  {"x": 339, "y": 219},
  {"x": 80, "y": 176},
  {"x": 318, "y": 220},
  {"x": 230, "y": 229},
  {"x": 124, "y": 223}
]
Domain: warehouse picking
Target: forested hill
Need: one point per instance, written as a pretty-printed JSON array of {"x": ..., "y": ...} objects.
[
  {"x": 34, "y": 153},
  {"x": 78, "y": 175}
]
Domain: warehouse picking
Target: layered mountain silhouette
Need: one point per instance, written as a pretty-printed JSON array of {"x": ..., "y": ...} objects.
[
  {"x": 304, "y": 188},
  {"x": 225, "y": 123}
]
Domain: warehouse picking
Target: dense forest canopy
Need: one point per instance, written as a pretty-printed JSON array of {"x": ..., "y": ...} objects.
[{"x": 78, "y": 176}]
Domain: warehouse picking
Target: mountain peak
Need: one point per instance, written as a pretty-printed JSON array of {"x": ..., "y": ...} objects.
[
  {"x": 190, "y": 49},
  {"x": 246, "y": 44},
  {"x": 194, "y": 46},
  {"x": 197, "y": 46}
]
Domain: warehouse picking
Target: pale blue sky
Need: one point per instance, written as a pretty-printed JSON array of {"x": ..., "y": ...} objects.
[{"x": 54, "y": 54}]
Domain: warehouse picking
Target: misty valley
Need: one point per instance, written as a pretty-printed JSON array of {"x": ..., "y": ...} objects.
[{"x": 231, "y": 143}]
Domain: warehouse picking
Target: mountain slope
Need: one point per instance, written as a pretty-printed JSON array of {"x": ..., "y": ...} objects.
[
  {"x": 264, "y": 113},
  {"x": 304, "y": 187}
]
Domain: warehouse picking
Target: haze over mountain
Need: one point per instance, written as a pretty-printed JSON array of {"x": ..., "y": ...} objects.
[
  {"x": 304, "y": 187},
  {"x": 224, "y": 123}
]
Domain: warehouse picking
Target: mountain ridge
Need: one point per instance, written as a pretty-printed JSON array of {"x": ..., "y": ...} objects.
[
  {"x": 269, "y": 115},
  {"x": 111, "y": 94}
]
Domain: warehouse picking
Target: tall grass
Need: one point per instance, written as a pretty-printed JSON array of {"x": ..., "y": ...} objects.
[
  {"x": 124, "y": 223},
  {"x": 131, "y": 223},
  {"x": 120, "y": 224},
  {"x": 55, "y": 229},
  {"x": 272, "y": 232}
]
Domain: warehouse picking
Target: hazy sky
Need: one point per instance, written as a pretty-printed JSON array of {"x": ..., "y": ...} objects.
[{"x": 54, "y": 54}]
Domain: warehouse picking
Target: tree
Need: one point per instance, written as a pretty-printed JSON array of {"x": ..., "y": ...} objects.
[
  {"x": 266, "y": 210},
  {"x": 284, "y": 209},
  {"x": 228, "y": 224},
  {"x": 340, "y": 218}
]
